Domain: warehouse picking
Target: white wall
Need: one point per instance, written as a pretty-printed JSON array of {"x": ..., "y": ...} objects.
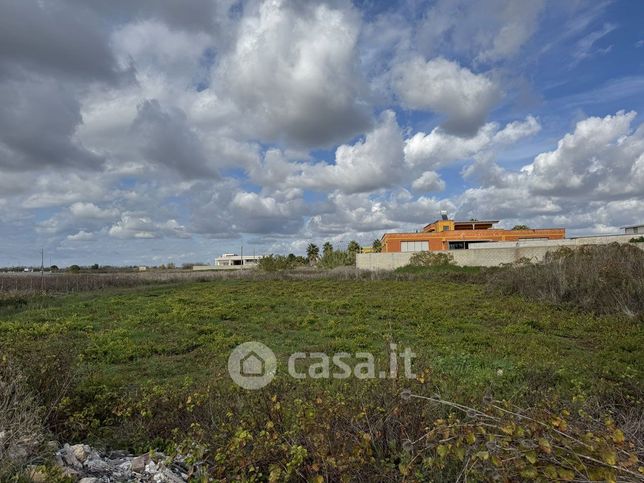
[{"x": 485, "y": 255}]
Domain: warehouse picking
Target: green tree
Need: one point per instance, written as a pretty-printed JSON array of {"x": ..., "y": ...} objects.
[
  {"x": 327, "y": 249},
  {"x": 353, "y": 247},
  {"x": 377, "y": 246},
  {"x": 337, "y": 258},
  {"x": 312, "y": 252}
]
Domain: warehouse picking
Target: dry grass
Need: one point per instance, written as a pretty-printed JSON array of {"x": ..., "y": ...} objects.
[
  {"x": 21, "y": 421},
  {"x": 605, "y": 279},
  {"x": 14, "y": 287}
]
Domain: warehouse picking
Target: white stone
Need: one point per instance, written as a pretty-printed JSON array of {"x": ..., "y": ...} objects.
[
  {"x": 138, "y": 463},
  {"x": 97, "y": 465},
  {"x": 67, "y": 453},
  {"x": 81, "y": 452}
]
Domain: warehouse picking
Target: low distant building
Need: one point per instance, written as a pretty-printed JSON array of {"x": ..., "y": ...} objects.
[
  {"x": 143, "y": 268},
  {"x": 234, "y": 260},
  {"x": 231, "y": 261},
  {"x": 446, "y": 234},
  {"x": 634, "y": 230}
]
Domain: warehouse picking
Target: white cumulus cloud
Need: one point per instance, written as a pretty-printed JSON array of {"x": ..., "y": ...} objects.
[{"x": 440, "y": 85}]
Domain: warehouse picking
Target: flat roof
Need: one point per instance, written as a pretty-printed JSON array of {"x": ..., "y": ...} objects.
[
  {"x": 442, "y": 233},
  {"x": 632, "y": 226},
  {"x": 464, "y": 222},
  {"x": 477, "y": 221},
  {"x": 231, "y": 257}
]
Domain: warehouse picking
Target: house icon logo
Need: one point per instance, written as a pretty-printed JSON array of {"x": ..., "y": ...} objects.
[{"x": 252, "y": 365}]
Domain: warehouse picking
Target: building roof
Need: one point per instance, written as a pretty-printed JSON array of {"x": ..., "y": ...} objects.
[
  {"x": 632, "y": 226},
  {"x": 469, "y": 222}
]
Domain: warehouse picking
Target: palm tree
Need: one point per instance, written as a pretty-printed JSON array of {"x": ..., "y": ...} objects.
[
  {"x": 377, "y": 246},
  {"x": 312, "y": 252},
  {"x": 327, "y": 249},
  {"x": 353, "y": 247}
]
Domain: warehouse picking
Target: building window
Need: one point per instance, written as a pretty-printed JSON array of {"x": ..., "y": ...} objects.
[{"x": 414, "y": 246}]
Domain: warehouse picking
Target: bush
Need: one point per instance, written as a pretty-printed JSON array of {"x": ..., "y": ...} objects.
[
  {"x": 21, "y": 421},
  {"x": 431, "y": 259},
  {"x": 639, "y": 239},
  {"x": 601, "y": 278},
  {"x": 337, "y": 258},
  {"x": 274, "y": 263},
  {"x": 378, "y": 432}
]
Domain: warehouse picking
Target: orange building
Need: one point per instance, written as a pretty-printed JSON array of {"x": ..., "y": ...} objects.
[{"x": 448, "y": 234}]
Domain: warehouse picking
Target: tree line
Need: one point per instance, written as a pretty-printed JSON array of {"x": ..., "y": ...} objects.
[{"x": 329, "y": 257}]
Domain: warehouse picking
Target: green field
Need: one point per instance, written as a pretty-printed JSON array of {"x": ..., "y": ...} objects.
[{"x": 137, "y": 355}]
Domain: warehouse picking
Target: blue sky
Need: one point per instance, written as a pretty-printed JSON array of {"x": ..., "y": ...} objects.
[{"x": 138, "y": 133}]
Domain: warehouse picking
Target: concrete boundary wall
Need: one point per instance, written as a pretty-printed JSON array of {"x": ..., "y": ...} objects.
[
  {"x": 479, "y": 257},
  {"x": 586, "y": 240},
  {"x": 205, "y": 268}
]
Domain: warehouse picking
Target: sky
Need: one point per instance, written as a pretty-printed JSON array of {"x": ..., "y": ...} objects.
[{"x": 157, "y": 131}]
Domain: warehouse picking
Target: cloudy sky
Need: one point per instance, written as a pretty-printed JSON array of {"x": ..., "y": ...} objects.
[{"x": 155, "y": 131}]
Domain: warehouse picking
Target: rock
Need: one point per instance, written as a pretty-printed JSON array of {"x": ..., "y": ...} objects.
[
  {"x": 82, "y": 463},
  {"x": 138, "y": 464},
  {"x": 69, "y": 457},
  {"x": 120, "y": 454},
  {"x": 151, "y": 467},
  {"x": 81, "y": 452},
  {"x": 59, "y": 460},
  {"x": 163, "y": 475},
  {"x": 97, "y": 465}
]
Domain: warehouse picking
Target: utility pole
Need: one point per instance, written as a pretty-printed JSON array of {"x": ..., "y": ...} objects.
[
  {"x": 42, "y": 270},
  {"x": 242, "y": 254}
]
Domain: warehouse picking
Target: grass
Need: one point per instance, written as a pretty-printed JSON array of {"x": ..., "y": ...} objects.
[
  {"x": 456, "y": 329},
  {"x": 130, "y": 343}
]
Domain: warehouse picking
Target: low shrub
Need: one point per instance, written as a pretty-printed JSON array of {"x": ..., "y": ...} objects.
[
  {"x": 639, "y": 239},
  {"x": 601, "y": 278},
  {"x": 382, "y": 432},
  {"x": 431, "y": 259},
  {"x": 337, "y": 258},
  {"x": 274, "y": 263},
  {"x": 21, "y": 421}
]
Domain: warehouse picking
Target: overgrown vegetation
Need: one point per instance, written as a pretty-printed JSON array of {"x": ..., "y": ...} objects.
[
  {"x": 337, "y": 258},
  {"x": 274, "y": 263},
  {"x": 21, "y": 421},
  {"x": 145, "y": 369},
  {"x": 431, "y": 259},
  {"x": 604, "y": 279}
]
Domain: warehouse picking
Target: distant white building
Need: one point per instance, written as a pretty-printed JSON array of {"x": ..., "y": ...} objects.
[
  {"x": 233, "y": 260},
  {"x": 634, "y": 230}
]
